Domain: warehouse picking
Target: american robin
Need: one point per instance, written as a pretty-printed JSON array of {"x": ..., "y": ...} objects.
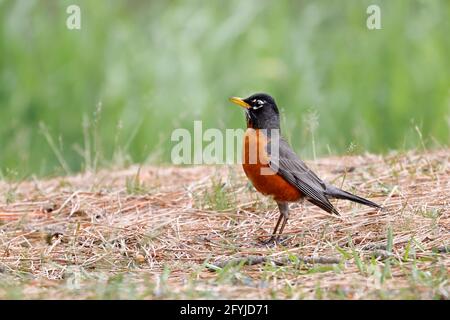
[{"x": 273, "y": 167}]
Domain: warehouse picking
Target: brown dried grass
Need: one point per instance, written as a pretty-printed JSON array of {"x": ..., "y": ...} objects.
[{"x": 178, "y": 219}]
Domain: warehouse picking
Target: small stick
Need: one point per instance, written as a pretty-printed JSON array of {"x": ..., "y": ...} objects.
[{"x": 254, "y": 260}]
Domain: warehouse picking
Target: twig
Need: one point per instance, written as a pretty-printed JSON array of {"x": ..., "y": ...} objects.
[{"x": 254, "y": 260}]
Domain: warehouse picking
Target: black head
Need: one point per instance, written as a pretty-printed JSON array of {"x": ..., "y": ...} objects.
[{"x": 261, "y": 111}]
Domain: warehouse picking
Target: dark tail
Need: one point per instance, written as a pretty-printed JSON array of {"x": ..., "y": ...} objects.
[{"x": 337, "y": 193}]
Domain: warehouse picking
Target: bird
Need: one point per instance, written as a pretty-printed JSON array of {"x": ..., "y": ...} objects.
[{"x": 275, "y": 170}]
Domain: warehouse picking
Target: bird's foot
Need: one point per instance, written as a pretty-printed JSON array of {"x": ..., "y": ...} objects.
[
  {"x": 274, "y": 240},
  {"x": 271, "y": 242}
]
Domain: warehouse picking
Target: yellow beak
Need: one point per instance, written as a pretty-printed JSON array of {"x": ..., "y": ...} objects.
[{"x": 240, "y": 102}]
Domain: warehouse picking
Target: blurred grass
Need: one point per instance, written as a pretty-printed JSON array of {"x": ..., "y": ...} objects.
[{"x": 155, "y": 66}]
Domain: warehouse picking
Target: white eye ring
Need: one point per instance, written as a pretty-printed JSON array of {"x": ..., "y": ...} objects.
[{"x": 259, "y": 102}]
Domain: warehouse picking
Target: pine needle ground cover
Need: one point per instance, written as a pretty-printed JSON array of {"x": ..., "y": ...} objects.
[{"x": 195, "y": 232}]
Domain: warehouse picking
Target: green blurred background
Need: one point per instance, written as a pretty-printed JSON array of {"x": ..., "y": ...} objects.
[{"x": 113, "y": 91}]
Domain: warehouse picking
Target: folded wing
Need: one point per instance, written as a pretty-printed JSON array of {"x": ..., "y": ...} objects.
[{"x": 295, "y": 171}]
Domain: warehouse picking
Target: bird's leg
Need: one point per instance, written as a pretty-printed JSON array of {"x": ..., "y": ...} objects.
[
  {"x": 283, "y": 207},
  {"x": 272, "y": 238},
  {"x": 284, "y": 211}
]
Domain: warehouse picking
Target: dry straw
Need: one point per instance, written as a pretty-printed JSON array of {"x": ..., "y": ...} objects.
[{"x": 199, "y": 222}]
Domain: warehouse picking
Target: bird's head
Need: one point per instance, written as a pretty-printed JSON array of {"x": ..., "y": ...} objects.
[{"x": 261, "y": 111}]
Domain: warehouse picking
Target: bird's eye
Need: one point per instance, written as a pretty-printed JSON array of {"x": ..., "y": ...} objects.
[{"x": 257, "y": 104}]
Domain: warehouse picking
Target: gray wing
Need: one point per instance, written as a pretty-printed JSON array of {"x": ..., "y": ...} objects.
[{"x": 295, "y": 171}]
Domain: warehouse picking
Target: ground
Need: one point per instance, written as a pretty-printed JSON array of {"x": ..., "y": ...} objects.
[{"x": 196, "y": 232}]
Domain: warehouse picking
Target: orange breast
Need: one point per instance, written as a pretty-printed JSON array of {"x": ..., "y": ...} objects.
[{"x": 256, "y": 167}]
